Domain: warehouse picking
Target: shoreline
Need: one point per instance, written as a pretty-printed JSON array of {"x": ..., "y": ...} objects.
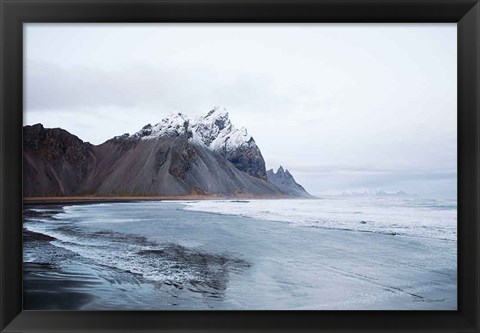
[{"x": 113, "y": 199}]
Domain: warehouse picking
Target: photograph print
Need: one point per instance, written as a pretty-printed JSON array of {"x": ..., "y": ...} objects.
[{"x": 240, "y": 167}]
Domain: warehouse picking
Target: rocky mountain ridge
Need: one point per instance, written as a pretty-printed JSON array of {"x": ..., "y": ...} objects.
[
  {"x": 177, "y": 156},
  {"x": 284, "y": 181}
]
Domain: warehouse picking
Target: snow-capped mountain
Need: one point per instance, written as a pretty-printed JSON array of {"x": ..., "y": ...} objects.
[
  {"x": 177, "y": 156},
  {"x": 216, "y": 132}
]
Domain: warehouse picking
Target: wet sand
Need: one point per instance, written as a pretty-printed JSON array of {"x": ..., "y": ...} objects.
[{"x": 48, "y": 288}]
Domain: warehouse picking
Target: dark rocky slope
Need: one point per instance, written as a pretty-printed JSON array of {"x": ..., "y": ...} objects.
[
  {"x": 170, "y": 165},
  {"x": 55, "y": 161}
]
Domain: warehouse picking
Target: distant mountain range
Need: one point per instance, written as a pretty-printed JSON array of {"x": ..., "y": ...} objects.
[
  {"x": 376, "y": 194},
  {"x": 178, "y": 156}
]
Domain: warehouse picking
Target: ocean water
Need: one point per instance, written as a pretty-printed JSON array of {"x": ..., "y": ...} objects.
[
  {"x": 330, "y": 253},
  {"x": 408, "y": 216}
]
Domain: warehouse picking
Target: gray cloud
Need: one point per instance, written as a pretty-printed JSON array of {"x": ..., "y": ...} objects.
[{"x": 52, "y": 86}]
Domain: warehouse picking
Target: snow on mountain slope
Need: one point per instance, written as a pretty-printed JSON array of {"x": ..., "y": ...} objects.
[
  {"x": 214, "y": 131},
  {"x": 217, "y": 132},
  {"x": 176, "y": 124}
]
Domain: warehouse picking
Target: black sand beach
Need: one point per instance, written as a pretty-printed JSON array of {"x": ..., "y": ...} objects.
[{"x": 157, "y": 256}]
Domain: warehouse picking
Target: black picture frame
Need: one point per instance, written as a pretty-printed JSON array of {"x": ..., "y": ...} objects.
[{"x": 466, "y": 13}]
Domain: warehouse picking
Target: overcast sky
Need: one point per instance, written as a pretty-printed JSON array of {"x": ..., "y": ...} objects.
[{"x": 342, "y": 106}]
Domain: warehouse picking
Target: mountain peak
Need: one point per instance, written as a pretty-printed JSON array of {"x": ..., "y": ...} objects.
[
  {"x": 217, "y": 132},
  {"x": 218, "y": 111},
  {"x": 175, "y": 124},
  {"x": 284, "y": 180},
  {"x": 215, "y": 121},
  {"x": 178, "y": 116}
]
